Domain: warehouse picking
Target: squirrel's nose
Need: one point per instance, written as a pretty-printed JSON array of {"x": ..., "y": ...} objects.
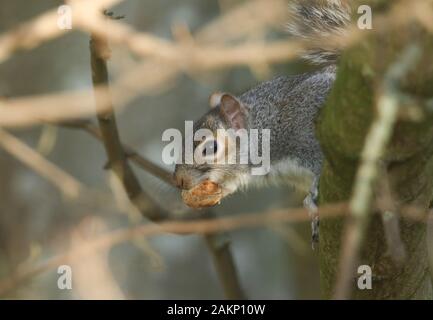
[{"x": 180, "y": 182}]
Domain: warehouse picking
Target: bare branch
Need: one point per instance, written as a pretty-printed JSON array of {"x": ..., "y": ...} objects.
[
  {"x": 390, "y": 219},
  {"x": 169, "y": 58},
  {"x": 129, "y": 152},
  {"x": 110, "y": 134},
  {"x": 219, "y": 247},
  {"x": 203, "y": 226},
  {"x": 68, "y": 185}
]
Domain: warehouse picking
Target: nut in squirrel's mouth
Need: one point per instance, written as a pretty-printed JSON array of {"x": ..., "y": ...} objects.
[{"x": 205, "y": 194}]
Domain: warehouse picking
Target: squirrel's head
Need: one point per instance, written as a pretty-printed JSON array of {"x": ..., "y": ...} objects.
[{"x": 216, "y": 154}]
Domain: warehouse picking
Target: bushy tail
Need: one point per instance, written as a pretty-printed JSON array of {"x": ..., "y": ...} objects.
[{"x": 316, "y": 20}]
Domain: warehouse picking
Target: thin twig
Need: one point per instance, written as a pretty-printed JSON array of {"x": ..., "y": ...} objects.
[
  {"x": 202, "y": 226},
  {"x": 86, "y": 17},
  {"x": 129, "y": 152},
  {"x": 390, "y": 219},
  {"x": 69, "y": 186},
  {"x": 43, "y": 28},
  {"x": 172, "y": 58}
]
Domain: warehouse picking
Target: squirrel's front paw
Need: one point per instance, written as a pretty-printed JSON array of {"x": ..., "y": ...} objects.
[
  {"x": 315, "y": 232},
  {"x": 311, "y": 206}
]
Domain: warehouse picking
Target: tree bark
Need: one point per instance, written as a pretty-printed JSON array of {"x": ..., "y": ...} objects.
[{"x": 341, "y": 129}]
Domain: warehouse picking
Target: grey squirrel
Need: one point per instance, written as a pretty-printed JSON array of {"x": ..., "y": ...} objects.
[{"x": 287, "y": 105}]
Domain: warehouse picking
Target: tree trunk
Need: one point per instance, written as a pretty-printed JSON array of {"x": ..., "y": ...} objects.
[{"x": 341, "y": 129}]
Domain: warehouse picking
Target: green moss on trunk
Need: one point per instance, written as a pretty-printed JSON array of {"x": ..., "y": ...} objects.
[{"x": 341, "y": 129}]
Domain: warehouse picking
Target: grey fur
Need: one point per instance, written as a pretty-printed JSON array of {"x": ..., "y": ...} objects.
[
  {"x": 288, "y": 106},
  {"x": 316, "y": 20}
]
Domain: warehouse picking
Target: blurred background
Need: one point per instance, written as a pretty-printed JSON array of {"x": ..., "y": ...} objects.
[{"x": 37, "y": 222}]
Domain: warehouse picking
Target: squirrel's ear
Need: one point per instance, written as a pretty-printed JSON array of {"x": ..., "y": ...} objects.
[
  {"x": 215, "y": 99},
  {"x": 233, "y": 111}
]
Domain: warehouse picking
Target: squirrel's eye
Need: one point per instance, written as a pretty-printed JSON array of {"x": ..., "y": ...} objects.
[{"x": 210, "y": 148}]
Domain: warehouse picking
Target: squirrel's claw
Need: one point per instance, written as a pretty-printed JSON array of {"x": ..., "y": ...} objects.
[
  {"x": 315, "y": 232},
  {"x": 310, "y": 203}
]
